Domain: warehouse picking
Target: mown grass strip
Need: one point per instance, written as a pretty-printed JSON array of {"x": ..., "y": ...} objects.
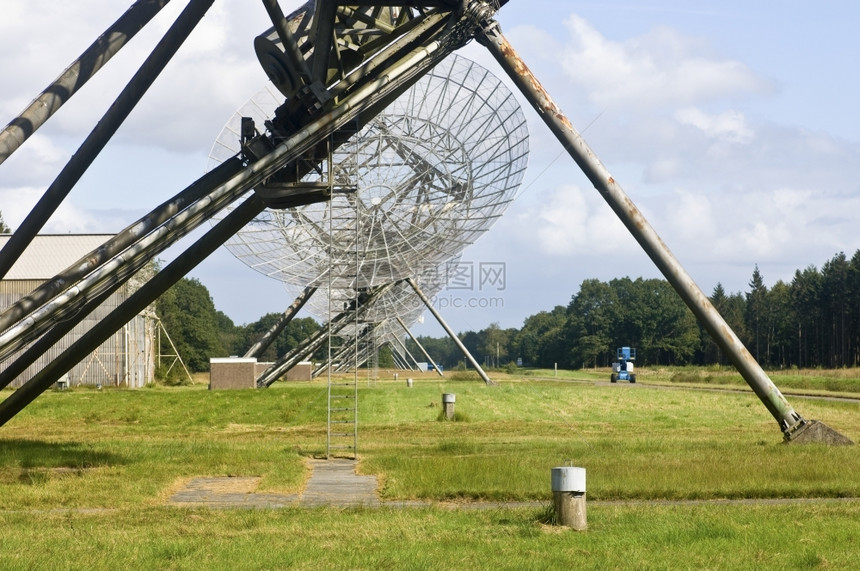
[
  {"x": 619, "y": 537},
  {"x": 126, "y": 452}
]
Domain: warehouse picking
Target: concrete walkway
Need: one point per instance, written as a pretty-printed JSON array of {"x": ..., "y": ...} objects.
[
  {"x": 229, "y": 493},
  {"x": 332, "y": 483},
  {"x": 335, "y": 483}
]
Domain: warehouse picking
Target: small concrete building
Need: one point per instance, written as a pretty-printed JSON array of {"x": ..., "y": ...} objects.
[
  {"x": 232, "y": 373},
  {"x": 242, "y": 372},
  {"x": 127, "y": 358},
  {"x": 302, "y": 371}
]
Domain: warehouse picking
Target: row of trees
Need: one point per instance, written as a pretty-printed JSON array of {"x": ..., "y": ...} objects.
[
  {"x": 200, "y": 331},
  {"x": 646, "y": 314},
  {"x": 813, "y": 321}
]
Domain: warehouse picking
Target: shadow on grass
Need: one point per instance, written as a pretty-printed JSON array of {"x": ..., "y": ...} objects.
[{"x": 37, "y": 454}]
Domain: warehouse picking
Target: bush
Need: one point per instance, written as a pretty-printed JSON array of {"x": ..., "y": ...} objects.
[
  {"x": 172, "y": 377},
  {"x": 686, "y": 377},
  {"x": 465, "y": 376},
  {"x": 458, "y": 417}
]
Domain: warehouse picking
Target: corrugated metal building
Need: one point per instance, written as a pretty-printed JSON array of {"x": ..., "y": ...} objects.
[{"x": 127, "y": 358}]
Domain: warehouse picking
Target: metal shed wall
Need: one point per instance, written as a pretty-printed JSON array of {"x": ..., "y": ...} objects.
[{"x": 127, "y": 358}]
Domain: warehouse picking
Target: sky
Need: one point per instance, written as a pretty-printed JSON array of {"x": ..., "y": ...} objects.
[{"x": 732, "y": 126}]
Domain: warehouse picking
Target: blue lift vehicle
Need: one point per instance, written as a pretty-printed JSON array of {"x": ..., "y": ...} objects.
[{"x": 622, "y": 368}]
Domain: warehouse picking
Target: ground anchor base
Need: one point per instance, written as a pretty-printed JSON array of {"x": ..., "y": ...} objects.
[{"x": 816, "y": 432}]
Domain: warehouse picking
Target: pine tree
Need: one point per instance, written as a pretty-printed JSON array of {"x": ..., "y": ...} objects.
[
  {"x": 4, "y": 228},
  {"x": 756, "y": 316}
]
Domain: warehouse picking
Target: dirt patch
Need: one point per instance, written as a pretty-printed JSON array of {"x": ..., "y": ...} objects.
[
  {"x": 229, "y": 485},
  {"x": 227, "y": 492},
  {"x": 234, "y": 428},
  {"x": 332, "y": 482}
]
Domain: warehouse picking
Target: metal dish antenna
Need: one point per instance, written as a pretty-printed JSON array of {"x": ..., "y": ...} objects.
[
  {"x": 423, "y": 180},
  {"x": 400, "y": 300}
]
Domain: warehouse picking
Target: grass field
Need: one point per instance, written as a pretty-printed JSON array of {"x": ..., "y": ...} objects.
[{"x": 85, "y": 475}]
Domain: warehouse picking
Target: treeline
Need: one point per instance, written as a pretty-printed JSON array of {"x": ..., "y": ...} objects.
[
  {"x": 200, "y": 331},
  {"x": 813, "y": 321}
]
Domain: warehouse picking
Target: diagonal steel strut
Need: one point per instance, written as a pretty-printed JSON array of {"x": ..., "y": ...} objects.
[
  {"x": 790, "y": 422},
  {"x": 103, "y": 132},
  {"x": 359, "y": 99}
]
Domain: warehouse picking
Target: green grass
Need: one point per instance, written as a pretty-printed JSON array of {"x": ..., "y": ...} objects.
[
  {"x": 84, "y": 477},
  {"x": 563, "y": 374},
  {"x": 797, "y": 381},
  {"x": 634, "y": 442},
  {"x": 819, "y": 536}
]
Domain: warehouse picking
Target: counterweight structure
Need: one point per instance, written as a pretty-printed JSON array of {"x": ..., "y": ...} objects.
[{"x": 338, "y": 65}]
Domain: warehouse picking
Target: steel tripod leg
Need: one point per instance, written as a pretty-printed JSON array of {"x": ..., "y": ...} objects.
[
  {"x": 449, "y": 331},
  {"x": 789, "y": 421}
]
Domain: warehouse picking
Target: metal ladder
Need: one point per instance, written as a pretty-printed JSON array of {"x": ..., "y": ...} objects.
[
  {"x": 342, "y": 423},
  {"x": 342, "y": 416},
  {"x": 342, "y": 413}
]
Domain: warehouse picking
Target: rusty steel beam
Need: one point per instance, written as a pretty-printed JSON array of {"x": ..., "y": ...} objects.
[{"x": 790, "y": 422}]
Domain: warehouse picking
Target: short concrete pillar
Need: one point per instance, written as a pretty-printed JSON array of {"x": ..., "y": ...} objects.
[
  {"x": 568, "y": 495},
  {"x": 409, "y": 382},
  {"x": 448, "y": 400}
]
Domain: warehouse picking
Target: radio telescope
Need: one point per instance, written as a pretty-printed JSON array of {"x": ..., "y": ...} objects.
[
  {"x": 411, "y": 190},
  {"x": 384, "y": 319},
  {"x": 400, "y": 300}
]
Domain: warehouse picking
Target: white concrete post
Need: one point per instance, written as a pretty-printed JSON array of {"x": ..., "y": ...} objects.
[{"x": 568, "y": 494}]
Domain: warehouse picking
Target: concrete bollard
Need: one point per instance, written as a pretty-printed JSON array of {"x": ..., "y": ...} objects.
[
  {"x": 568, "y": 495},
  {"x": 448, "y": 400},
  {"x": 409, "y": 383}
]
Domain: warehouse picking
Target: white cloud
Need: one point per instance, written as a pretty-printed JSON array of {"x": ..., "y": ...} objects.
[
  {"x": 68, "y": 218},
  {"x": 658, "y": 69},
  {"x": 778, "y": 224},
  {"x": 691, "y": 216},
  {"x": 40, "y": 150},
  {"x": 568, "y": 220},
  {"x": 730, "y": 126}
]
